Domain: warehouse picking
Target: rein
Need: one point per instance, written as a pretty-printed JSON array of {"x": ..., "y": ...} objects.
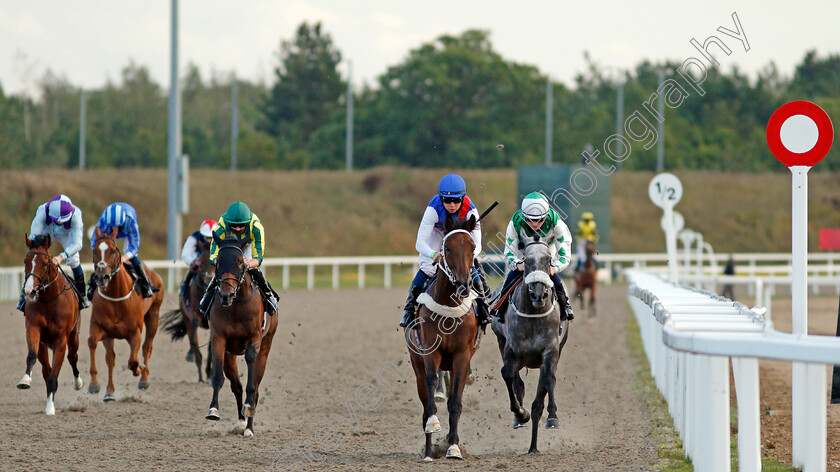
[
  {"x": 115, "y": 269},
  {"x": 41, "y": 285},
  {"x": 444, "y": 265},
  {"x": 239, "y": 281}
]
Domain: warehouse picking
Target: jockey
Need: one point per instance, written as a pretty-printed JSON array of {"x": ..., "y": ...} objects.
[
  {"x": 536, "y": 218},
  {"x": 451, "y": 200},
  {"x": 238, "y": 222},
  {"x": 587, "y": 230},
  {"x": 191, "y": 251},
  {"x": 123, "y": 217},
  {"x": 62, "y": 220}
]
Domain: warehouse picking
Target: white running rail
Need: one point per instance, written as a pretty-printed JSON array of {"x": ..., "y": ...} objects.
[{"x": 689, "y": 337}]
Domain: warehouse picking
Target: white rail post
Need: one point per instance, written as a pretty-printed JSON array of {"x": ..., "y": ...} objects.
[
  {"x": 745, "y": 372},
  {"x": 387, "y": 275},
  {"x": 285, "y": 276},
  {"x": 310, "y": 276},
  {"x": 335, "y": 276},
  {"x": 361, "y": 275}
]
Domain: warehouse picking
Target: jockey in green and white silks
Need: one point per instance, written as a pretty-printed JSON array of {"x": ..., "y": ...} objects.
[
  {"x": 452, "y": 200},
  {"x": 537, "y": 219},
  {"x": 240, "y": 222},
  {"x": 61, "y": 220}
]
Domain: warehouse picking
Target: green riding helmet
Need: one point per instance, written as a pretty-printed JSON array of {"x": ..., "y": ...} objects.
[{"x": 237, "y": 213}]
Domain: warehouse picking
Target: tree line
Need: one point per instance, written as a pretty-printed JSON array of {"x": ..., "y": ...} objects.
[{"x": 449, "y": 103}]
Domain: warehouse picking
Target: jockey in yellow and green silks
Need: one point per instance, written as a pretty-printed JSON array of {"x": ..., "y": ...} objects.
[
  {"x": 587, "y": 230},
  {"x": 240, "y": 222}
]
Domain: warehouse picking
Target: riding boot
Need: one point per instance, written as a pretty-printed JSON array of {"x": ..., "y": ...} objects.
[
  {"x": 207, "y": 298},
  {"x": 146, "y": 288},
  {"x": 482, "y": 313},
  {"x": 91, "y": 287},
  {"x": 268, "y": 294},
  {"x": 411, "y": 305},
  {"x": 22, "y": 301},
  {"x": 185, "y": 284},
  {"x": 565, "y": 306},
  {"x": 79, "y": 282}
]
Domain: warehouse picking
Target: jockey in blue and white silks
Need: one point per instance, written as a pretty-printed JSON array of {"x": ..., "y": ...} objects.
[
  {"x": 62, "y": 221},
  {"x": 123, "y": 217},
  {"x": 452, "y": 200}
]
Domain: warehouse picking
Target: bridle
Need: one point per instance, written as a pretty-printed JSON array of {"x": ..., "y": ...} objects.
[
  {"x": 444, "y": 264},
  {"x": 226, "y": 280},
  {"x": 42, "y": 286},
  {"x": 540, "y": 277},
  {"x": 116, "y": 267}
]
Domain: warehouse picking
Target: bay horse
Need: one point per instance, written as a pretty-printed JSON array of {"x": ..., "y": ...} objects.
[
  {"x": 238, "y": 326},
  {"x": 52, "y": 319},
  {"x": 186, "y": 320},
  {"x": 118, "y": 311},
  {"x": 585, "y": 278},
  {"x": 532, "y": 336},
  {"x": 446, "y": 332}
]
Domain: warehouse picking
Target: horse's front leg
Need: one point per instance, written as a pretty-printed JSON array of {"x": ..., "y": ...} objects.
[
  {"x": 537, "y": 408},
  {"x": 509, "y": 370},
  {"x": 457, "y": 379},
  {"x": 232, "y": 374},
  {"x": 52, "y": 380},
  {"x": 192, "y": 327},
  {"x": 73, "y": 358},
  {"x": 110, "y": 361},
  {"x": 33, "y": 341},
  {"x": 250, "y": 406},
  {"x": 93, "y": 340},
  {"x": 431, "y": 363},
  {"x": 550, "y": 361},
  {"x": 218, "y": 346}
]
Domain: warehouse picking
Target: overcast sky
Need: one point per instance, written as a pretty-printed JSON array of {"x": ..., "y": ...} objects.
[{"x": 90, "y": 41}]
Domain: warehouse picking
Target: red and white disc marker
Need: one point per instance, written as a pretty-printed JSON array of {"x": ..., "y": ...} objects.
[{"x": 800, "y": 133}]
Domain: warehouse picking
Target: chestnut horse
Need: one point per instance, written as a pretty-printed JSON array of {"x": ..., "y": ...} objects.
[
  {"x": 185, "y": 320},
  {"x": 52, "y": 319},
  {"x": 585, "y": 278},
  {"x": 238, "y": 325},
  {"x": 118, "y": 311},
  {"x": 445, "y": 335}
]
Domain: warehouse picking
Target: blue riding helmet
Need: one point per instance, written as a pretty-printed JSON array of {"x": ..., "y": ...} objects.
[
  {"x": 452, "y": 185},
  {"x": 114, "y": 215}
]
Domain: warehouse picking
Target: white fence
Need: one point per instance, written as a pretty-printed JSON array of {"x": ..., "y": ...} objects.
[
  {"x": 750, "y": 264},
  {"x": 689, "y": 338}
]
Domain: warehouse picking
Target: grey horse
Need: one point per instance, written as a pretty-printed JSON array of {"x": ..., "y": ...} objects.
[{"x": 529, "y": 338}]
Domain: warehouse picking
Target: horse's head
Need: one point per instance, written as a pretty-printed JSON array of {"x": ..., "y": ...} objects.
[
  {"x": 107, "y": 257},
  {"x": 590, "y": 249},
  {"x": 230, "y": 265},
  {"x": 537, "y": 269},
  {"x": 457, "y": 252},
  {"x": 39, "y": 269}
]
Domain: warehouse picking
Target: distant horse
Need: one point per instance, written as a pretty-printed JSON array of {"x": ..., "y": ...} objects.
[
  {"x": 586, "y": 278},
  {"x": 447, "y": 333},
  {"x": 52, "y": 319},
  {"x": 238, "y": 325},
  {"x": 186, "y": 320},
  {"x": 118, "y": 311},
  {"x": 529, "y": 338}
]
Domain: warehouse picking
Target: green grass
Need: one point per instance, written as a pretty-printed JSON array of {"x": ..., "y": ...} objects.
[{"x": 670, "y": 456}]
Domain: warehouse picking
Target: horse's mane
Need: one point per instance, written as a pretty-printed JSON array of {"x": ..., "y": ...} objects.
[
  {"x": 40, "y": 240},
  {"x": 460, "y": 223}
]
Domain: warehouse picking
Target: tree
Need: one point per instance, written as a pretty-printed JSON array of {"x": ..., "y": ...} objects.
[{"x": 307, "y": 88}]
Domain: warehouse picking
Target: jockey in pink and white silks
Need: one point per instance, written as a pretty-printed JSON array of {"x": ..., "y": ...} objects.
[
  {"x": 191, "y": 251},
  {"x": 452, "y": 200},
  {"x": 62, "y": 221},
  {"x": 537, "y": 221}
]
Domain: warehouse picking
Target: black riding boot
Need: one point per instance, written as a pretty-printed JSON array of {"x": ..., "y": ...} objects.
[
  {"x": 565, "y": 306},
  {"x": 22, "y": 301},
  {"x": 481, "y": 305},
  {"x": 207, "y": 298},
  {"x": 91, "y": 287},
  {"x": 268, "y": 294},
  {"x": 185, "y": 284},
  {"x": 410, "y": 305},
  {"x": 79, "y": 282},
  {"x": 146, "y": 288}
]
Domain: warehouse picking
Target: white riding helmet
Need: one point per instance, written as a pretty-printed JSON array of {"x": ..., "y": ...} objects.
[
  {"x": 534, "y": 206},
  {"x": 207, "y": 227}
]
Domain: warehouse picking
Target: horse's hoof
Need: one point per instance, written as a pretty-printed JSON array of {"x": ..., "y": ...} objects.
[
  {"x": 248, "y": 410},
  {"x": 470, "y": 379},
  {"x": 240, "y": 427},
  {"x": 524, "y": 417},
  {"x": 78, "y": 383},
  {"x": 440, "y": 397},
  {"x": 50, "y": 410},
  {"x": 552, "y": 423},
  {"x": 454, "y": 452},
  {"x": 212, "y": 414},
  {"x": 533, "y": 451},
  {"x": 144, "y": 385},
  {"x": 248, "y": 434},
  {"x": 432, "y": 424},
  {"x": 517, "y": 424},
  {"x": 25, "y": 383},
  {"x": 190, "y": 356},
  {"x": 428, "y": 459},
  {"x": 109, "y": 397},
  {"x": 93, "y": 388}
]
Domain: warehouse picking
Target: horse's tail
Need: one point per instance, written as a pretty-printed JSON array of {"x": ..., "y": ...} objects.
[{"x": 174, "y": 324}]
